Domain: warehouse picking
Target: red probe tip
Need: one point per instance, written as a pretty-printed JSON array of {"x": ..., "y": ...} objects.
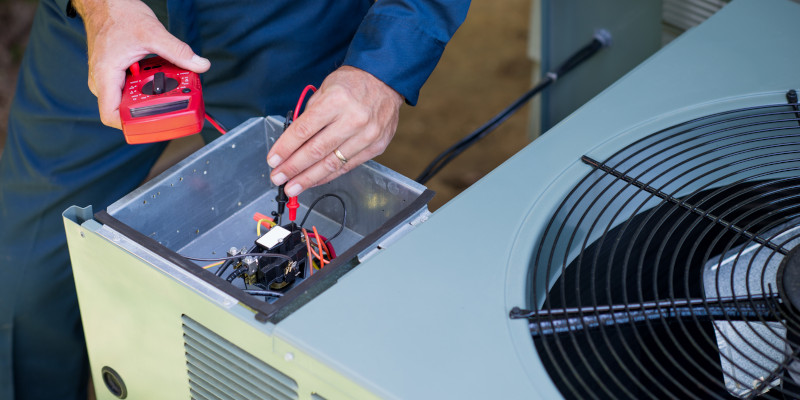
[
  {"x": 135, "y": 69},
  {"x": 293, "y": 205}
]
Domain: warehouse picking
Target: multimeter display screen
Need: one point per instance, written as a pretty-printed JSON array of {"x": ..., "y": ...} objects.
[{"x": 159, "y": 109}]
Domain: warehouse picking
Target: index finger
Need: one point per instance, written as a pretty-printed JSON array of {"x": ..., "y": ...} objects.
[
  {"x": 313, "y": 120},
  {"x": 109, "y": 86}
]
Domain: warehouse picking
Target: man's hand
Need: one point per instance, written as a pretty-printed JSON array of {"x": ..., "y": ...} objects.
[
  {"x": 353, "y": 112},
  {"x": 118, "y": 34}
]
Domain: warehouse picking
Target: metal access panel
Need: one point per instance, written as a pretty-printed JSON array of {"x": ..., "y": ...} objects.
[{"x": 154, "y": 319}]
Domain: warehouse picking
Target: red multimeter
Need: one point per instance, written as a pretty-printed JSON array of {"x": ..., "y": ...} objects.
[{"x": 160, "y": 102}]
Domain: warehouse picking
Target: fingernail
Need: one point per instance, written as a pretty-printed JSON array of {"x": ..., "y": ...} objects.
[
  {"x": 279, "y": 178},
  {"x": 200, "y": 61},
  {"x": 294, "y": 190},
  {"x": 274, "y": 161}
]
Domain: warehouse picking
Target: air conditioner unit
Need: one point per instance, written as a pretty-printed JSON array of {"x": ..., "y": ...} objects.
[{"x": 645, "y": 247}]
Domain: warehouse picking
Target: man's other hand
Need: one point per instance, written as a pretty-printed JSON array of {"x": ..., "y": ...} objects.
[{"x": 118, "y": 34}]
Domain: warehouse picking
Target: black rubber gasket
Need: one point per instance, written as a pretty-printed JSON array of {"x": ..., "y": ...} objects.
[{"x": 293, "y": 299}]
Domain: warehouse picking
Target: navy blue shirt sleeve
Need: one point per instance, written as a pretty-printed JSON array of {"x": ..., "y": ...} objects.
[
  {"x": 66, "y": 7},
  {"x": 400, "y": 41}
]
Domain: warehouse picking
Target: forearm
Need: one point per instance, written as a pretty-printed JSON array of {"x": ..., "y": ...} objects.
[
  {"x": 96, "y": 16},
  {"x": 401, "y": 41},
  {"x": 354, "y": 115}
]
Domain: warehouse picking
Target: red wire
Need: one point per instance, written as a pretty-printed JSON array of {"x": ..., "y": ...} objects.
[
  {"x": 293, "y": 200},
  {"x": 329, "y": 246},
  {"x": 300, "y": 101},
  {"x": 215, "y": 124}
]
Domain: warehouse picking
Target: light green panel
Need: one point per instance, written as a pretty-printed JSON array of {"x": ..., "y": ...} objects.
[{"x": 132, "y": 322}]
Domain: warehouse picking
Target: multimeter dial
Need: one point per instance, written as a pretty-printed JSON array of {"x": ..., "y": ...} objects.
[{"x": 159, "y": 85}]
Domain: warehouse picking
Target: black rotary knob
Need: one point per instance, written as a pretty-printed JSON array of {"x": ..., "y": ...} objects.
[{"x": 160, "y": 84}]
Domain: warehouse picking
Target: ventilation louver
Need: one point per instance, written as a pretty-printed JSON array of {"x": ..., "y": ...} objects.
[{"x": 218, "y": 369}]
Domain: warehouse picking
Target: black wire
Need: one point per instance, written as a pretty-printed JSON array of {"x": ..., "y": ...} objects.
[
  {"x": 455, "y": 150},
  {"x": 288, "y": 121},
  {"x": 344, "y": 214},
  {"x": 228, "y": 263},
  {"x": 273, "y": 255},
  {"x": 278, "y": 215},
  {"x": 224, "y": 266},
  {"x": 265, "y": 289},
  {"x": 581, "y": 55},
  {"x": 263, "y": 293},
  {"x": 235, "y": 274}
]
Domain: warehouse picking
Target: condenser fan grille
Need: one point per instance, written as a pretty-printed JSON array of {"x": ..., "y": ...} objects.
[{"x": 668, "y": 271}]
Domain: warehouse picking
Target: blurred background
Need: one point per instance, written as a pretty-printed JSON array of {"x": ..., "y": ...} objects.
[{"x": 16, "y": 17}]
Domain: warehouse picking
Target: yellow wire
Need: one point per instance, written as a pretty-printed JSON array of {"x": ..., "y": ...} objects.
[
  {"x": 213, "y": 265},
  {"x": 258, "y": 225}
]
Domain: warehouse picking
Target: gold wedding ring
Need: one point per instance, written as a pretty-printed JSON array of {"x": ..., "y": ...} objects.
[{"x": 340, "y": 156}]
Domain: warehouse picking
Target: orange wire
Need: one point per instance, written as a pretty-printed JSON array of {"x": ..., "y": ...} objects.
[
  {"x": 318, "y": 254},
  {"x": 315, "y": 254},
  {"x": 213, "y": 265},
  {"x": 308, "y": 248},
  {"x": 320, "y": 246}
]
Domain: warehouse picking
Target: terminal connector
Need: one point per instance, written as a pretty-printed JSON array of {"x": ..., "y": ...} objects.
[{"x": 273, "y": 237}]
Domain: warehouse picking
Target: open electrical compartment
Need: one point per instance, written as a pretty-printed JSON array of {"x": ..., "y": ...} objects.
[{"x": 205, "y": 205}]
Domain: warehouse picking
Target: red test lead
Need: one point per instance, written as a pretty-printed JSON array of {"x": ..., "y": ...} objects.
[{"x": 293, "y": 206}]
